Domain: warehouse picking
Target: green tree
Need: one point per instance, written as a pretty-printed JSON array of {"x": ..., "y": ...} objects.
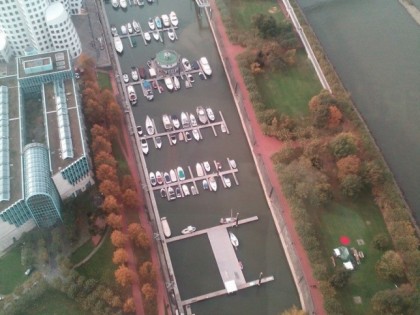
[
  {"x": 381, "y": 241},
  {"x": 403, "y": 300},
  {"x": 343, "y": 144},
  {"x": 340, "y": 278},
  {"x": 266, "y": 25},
  {"x": 390, "y": 266},
  {"x": 294, "y": 311},
  {"x": 351, "y": 185}
]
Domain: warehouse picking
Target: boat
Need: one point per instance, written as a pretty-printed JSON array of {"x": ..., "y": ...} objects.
[
  {"x": 156, "y": 34},
  {"x": 165, "y": 227},
  {"x": 129, "y": 28},
  {"x": 144, "y": 146},
  {"x": 142, "y": 73},
  {"x": 223, "y": 127},
  {"x": 147, "y": 36},
  {"x": 240, "y": 265},
  {"x": 136, "y": 26},
  {"x": 187, "y": 136},
  {"x": 141, "y": 3},
  {"x": 149, "y": 64},
  {"x": 159, "y": 178},
  {"x": 210, "y": 114},
  {"x": 171, "y": 34},
  {"x": 193, "y": 190},
  {"x": 195, "y": 65},
  {"x": 126, "y": 79},
  {"x": 174, "y": 178},
  {"x": 118, "y": 44},
  {"x": 132, "y": 96},
  {"x": 188, "y": 84},
  {"x": 151, "y": 24},
  {"x": 201, "y": 113},
  {"x": 205, "y": 184},
  {"x": 190, "y": 78},
  {"x": 163, "y": 193},
  {"x": 115, "y": 4},
  {"x": 134, "y": 74},
  {"x": 139, "y": 131},
  {"x": 166, "y": 122},
  {"x": 230, "y": 219},
  {"x": 123, "y": 4},
  {"x": 201, "y": 75},
  {"x": 175, "y": 122},
  {"x": 196, "y": 134},
  {"x": 218, "y": 165},
  {"x": 167, "y": 178},
  {"x": 193, "y": 121},
  {"x": 184, "y": 120},
  {"x": 178, "y": 192},
  {"x": 150, "y": 129},
  {"x": 189, "y": 229},
  {"x": 232, "y": 163},
  {"x": 165, "y": 20},
  {"x": 173, "y": 139},
  {"x": 177, "y": 85},
  {"x": 212, "y": 183},
  {"x": 181, "y": 136},
  {"x": 181, "y": 173},
  {"x": 205, "y": 66},
  {"x": 185, "y": 190},
  {"x": 123, "y": 29},
  {"x": 158, "y": 22},
  {"x": 234, "y": 240},
  {"x": 149, "y": 1},
  {"x": 227, "y": 181},
  {"x": 169, "y": 84},
  {"x": 186, "y": 64},
  {"x": 147, "y": 90},
  {"x": 173, "y": 18},
  {"x": 207, "y": 167},
  {"x": 158, "y": 141},
  {"x": 171, "y": 194},
  {"x": 199, "y": 169},
  {"x": 114, "y": 30},
  {"x": 152, "y": 178}
]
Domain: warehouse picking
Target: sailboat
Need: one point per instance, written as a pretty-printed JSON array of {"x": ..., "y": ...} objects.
[
  {"x": 150, "y": 129},
  {"x": 165, "y": 227},
  {"x": 234, "y": 240},
  {"x": 230, "y": 219}
]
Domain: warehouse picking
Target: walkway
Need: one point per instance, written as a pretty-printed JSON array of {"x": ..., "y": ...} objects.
[{"x": 93, "y": 252}]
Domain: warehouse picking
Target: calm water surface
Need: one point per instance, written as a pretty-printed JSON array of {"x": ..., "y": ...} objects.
[{"x": 260, "y": 248}]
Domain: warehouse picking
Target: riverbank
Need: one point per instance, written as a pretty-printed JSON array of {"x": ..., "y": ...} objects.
[{"x": 411, "y": 9}]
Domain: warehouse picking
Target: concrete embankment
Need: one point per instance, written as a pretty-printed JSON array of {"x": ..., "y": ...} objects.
[{"x": 411, "y": 9}]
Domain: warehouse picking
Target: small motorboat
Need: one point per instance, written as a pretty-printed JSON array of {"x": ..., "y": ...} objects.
[
  {"x": 136, "y": 26},
  {"x": 171, "y": 194},
  {"x": 158, "y": 141},
  {"x": 232, "y": 163},
  {"x": 147, "y": 36},
  {"x": 218, "y": 165},
  {"x": 163, "y": 193},
  {"x": 141, "y": 3},
  {"x": 207, "y": 167},
  {"x": 193, "y": 121},
  {"x": 190, "y": 78},
  {"x": 115, "y": 4},
  {"x": 223, "y": 127},
  {"x": 169, "y": 84},
  {"x": 166, "y": 122},
  {"x": 159, "y": 178},
  {"x": 234, "y": 240},
  {"x": 150, "y": 129},
  {"x": 186, "y": 64},
  {"x": 171, "y": 34},
  {"x": 181, "y": 136},
  {"x": 193, "y": 190},
  {"x": 158, "y": 22},
  {"x": 175, "y": 122},
  {"x": 185, "y": 190},
  {"x": 177, "y": 84},
  {"x": 201, "y": 75},
  {"x": 185, "y": 122},
  {"x": 144, "y": 146},
  {"x": 167, "y": 178},
  {"x": 173, "y": 18},
  {"x": 227, "y": 181},
  {"x": 134, "y": 74},
  {"x": 189, "y": 229},
  {"x": 118, "y": 44},
  {"x": 173, "y": 139},
  {"x": 174, "y": 178},
  {"x": 132, "y": 96},
  {"x": 156, "y": 34},
  {"x": 114, "y": 30},
  {"x": 165, "y": 227},
  {"x": 178, "y": 192},
  {"x": 187, "y": 136},
  {"x": 181, "y": 173},
  {"x": 165, "y": 20},
  {"x": 205, "y": 184},
  {"x": 199, "y": 169},
  {"x": 142, "y": 73},
  {"x": 212, "y": 183},
  {"x": 205, "y": 66},
  {"x": 151, "y": 24},
  {"x": 152, "y": 178},
  {"x": 123, "y": 4},
  {"x": 201, "y": 113},
  {"x": 210, "y": 114},
  {"x": 126, "y": 79},
  {"x": 230, "y": 219},
  {"x": 123, "y": 29},
  {"x": 188, "y": 84},
  {"x": 196, "y": 134},
  {"x": 139, "y": 131},
  {"x": 129, "y": 28}
]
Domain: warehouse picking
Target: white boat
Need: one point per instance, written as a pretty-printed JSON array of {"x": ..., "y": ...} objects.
[
  {"x": 189, "y": 229},
  {"x": 190, "y": 78},
  {"x": 181, "y": 136},
  {"x": 205, "y": 66},
  {"x": 150, "y": 129},
  {"x": 134, "y": 74},
  {"x": 227, "y": 181},
  {"x": 174, "y": 178},
  {"x": 173, "y": 18},
  {"x": 136, "y": 26},
  {"x": 178, "y": 192},
  {"x": 175, "y": 122},
  {"x": 205, "y": 184},
  {"x": 207, "y": 167},
  {"x": 163, "y": 193},
  {"x": 132, "y": 96},
  {"x": 115, "y": 4},
  {"x": 230, "y": 219},
  {"x": 123, "y": 29},
  {"x": 165, "y": 227},
  {"x": 129, "y": 28},
  {"x": 141, "y": 3},
  {"x": 158, "y": 22},
  {"x": 212, "y": 183},
  {"x": 223, "y": 127},
  {"x": 166, "y": 122},
  {"x": 171, "y": 34},
  {"x": 152, "y": 178},
  {"x": 171, "y": 194},
  {"x": 139, "y": 131},
  {"x": 167, "y": 178},
  {"x": 193, "y": 190},
  {"x": 123, "y": 4},
  {"x": 173, "y": 139},
  {"x": 196, "y": 134},
  {"x": 188, "y": 84},
  {"x": 184, "y": 120},
  {"x": 186, "y": 64},
  {"x": 159, "y": 178},
  {"x": 144, "y": 146},
  {"x": 126, "y": 79},
  {"x": 156, "y": 34},
  {"x": 158, "y": 141},
  {"x": 193, "y": 121},
  {"x": 177, "y": 85},
  {"x": 201, "y": 113},
  {"x": 201, "y": 75},
  {"x": 185, "y": 190},
  {"x": 151, "y": 24},
  {"x": 181, "y": 173},
  {"x": 234, "y": 240},
  {"x": 114, "y": 30},
  {"x": 165, "y": 20},
  {"x": 210, "y": 114},
  {"x": 232, "y": 163},
  {"x": 169, "y": 84},
  {"x": 147, "y": 36},
  {"x": 118, "y": 44},
  {"x": 199, "y": 169}
]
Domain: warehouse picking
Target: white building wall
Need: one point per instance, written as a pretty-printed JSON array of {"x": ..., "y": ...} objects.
[
  {"x": 6, "y": 51},
  {"x": 9, "y": 233}
]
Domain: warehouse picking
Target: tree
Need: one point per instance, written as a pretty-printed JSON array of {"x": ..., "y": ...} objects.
[
  {"x": 381, "y": 241},
  {"x": 115, "y": 301},
  {"x": 403, "y": 300},
  {"x": 266, "y": 25},
  {"x": 98, "y": 130},
  {"x": 113, "y": 114},
  {"x": 120, "y": 256},
  {"x": 335, "y": 117},
  {"x": 134, "y": 229},
  {"x": 287, "y": 154},
  {"x": 111, "y": 205},
  {"x": 373, "y": 173},
  {"x": 110, "y": 188},
  {"x": 106, "y": 96},
  {"x": 106, "y": 172},
  {"x": 348, "y": 165},
  {"x": 344, "y": 144},
  {"x": 351, "y": 185},
  {"x": 129, "y": 306},
  {"x": 118, "y": 238},
  {"x": 127, "y": 182},
  {"x": 93, "y": 110},
  {"x": 294, "y": 311},
  {"x": 340, "y": 278},
  {"x": 138, "y": 235},
  {"x": 130, "y": 199},
  {"x": 101, "y": 144},
  {"x": 85, "y": 62},
  {"x": 147, "y": 272},
  {"x": 148, "y": 292},
  {"x": 124, "y": 276},
  {"x": 114, "y": 221},
  {"x": 390, "y": 266}
]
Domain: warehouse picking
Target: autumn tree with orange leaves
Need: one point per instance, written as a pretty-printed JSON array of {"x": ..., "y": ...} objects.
[
  {"x": 147, "y": 273},
  {"x": 106, "y": 172},
  {"x": 105, "y": 158},
  {"x": 108, "y": 187},
  {"x": 101, "y": 144},
  {"x": 120, "y": 256},
  {"x": 130, "y": 199},
  {"x": 118, "y": 238},
  {"x": 114, "y": 221},
  {"x": 129, "y": 306},
  {"x": 124, "y": 276},
  {"x": 111, "y": 205},
  {"x": 348, "y": 165}
]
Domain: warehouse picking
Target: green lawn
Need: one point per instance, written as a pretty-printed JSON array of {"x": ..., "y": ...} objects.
[
  {"x": 103, "y": 81},
  {"x": 357, "y": 221},
  {"x": 82, "y": 252},
  {"x": 289, "y": 92},
  {"x": 53, "y": 302},
  {"x": 11, "y": 271}
]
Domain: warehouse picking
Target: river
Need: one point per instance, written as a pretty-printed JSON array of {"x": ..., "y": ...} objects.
[
  {"x": 260, "y": 248},
  {"x": 375, "y": 48}
]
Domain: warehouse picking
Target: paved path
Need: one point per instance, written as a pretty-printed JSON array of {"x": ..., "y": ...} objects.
[
  {"x": 266, "y": 147},
  {"x": 93, "y": 252}
]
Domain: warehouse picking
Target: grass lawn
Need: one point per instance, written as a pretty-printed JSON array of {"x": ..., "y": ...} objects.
[
  {"x": 357, "y": 221},
  {"x": 123, "y": 168},
  {"x": 53, "y": 302},
  {"x": 11, "y": 271},
  {"x": 82, "y": 252},
  {"x": 103, "y": 81},
  {"x": 289, "y": 92}
]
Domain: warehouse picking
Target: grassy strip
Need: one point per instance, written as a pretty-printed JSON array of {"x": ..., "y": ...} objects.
[
  {"x": 82, "y": 252},
  {"x": 11, "y": 271}
]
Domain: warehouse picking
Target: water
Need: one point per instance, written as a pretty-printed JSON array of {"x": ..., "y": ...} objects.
[
  {"x": 260, "y": 249},
  {"x": 375, "y": 48}
]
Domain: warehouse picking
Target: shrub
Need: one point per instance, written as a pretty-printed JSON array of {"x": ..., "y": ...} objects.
[
  {"x": 390, "y": 266},
  {"x": 343, "y": 144},
  {"x": 381, "y": 242},
  {"x": 351, "y": 185},
  {"x": 340, "y": 278},
  {"x": 287, "y": 154}
]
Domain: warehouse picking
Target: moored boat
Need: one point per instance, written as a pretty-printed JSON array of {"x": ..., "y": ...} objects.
[
  {"x": 129, "y": 28},
  {"x": 163, "y": 193},
  {"x": 118, "y": 44},
  {"x": 213, "y": 183},
  {"x": 173, "y": 18},
  {"x": 227, "y": 181},
  {"x": 147, "y": 36},
  {"x": 173, "y": 139},
  {"x": 210, "y": 114},
  {"x": 205, "y": 66},
  {"x": 232, "y": 163},
  {"x": 207, "y": 167},
  {"x": 136, "y": 26},
  {"x": 190, "y": 78},
  {"x": 230, "y": 219},
  {"x": 141, "y": 3},
  {"x": 144, "y": 146},
  {"x": 156, "y": 34},
  {"x": 165, "y": 20},
  {"x": 234, "y": 240},
  {"x": 193, "y": 121},
  {"x": 158, "y": 142},
  {"x": 158, "y": 22},
  {"x": 132, "y": 96},
  {"x": 123, "y": 4},
  {"x": 201, "y": 75},
  {"x": 178, "y": 192},
  {"x": 159, "y": 178},
  {"x": 175, "y": 122},
  {"x": 205, "y": 184},
  {"x": 126, "y": 79},
  {"x": 169, "y": 84},
  {"x": 139, "y": 131},
  {"x": 115, "y": 4},
  {"x": 223, "y": 127},
  {"x": 177, "y": 85},
  {"x": 152, "y": 179},
  {"x": 151, "y": 24},
  {"x": 171, "y": 194},
  {"x": 150, "y": 129},
  {"x": 196, "y": 134},
  {"x": 185, "y": 190},
  {"x": 174, "y": 178},
  {"x": 187, "y": 136},
  {"x": 123, "y": 29},
  {"x": 184, "y": 120},
  {"x": 186, "y": 64},
  {"x": 167, "y": 178},
  {"x": 166, "y": 122},
  {"x": 165, "y": 227},
  {"x": 171, "y": 34},
  {"x": 147, "y": 90},
  {"x": 114, "y": 30},
  {"x": 199, "y": 169},
  {"x": 189, "y": 229},
  {"x": 201, "y": 113},
  {"x": 181, "y": 173},
  {"x": 181, "y": 136},
  {"x": 134, "y": 74},
  {"x": 193, "y": 190}
]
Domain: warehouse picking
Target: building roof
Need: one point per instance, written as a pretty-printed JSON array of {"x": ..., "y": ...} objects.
[
  {"x": 54, "y": 11},
  {"x": 167, "y": 58},
  {"x": 41, "y": 64}
]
